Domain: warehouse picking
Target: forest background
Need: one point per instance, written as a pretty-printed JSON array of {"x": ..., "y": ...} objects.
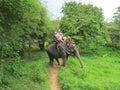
[{"x": 26, "y": 28}]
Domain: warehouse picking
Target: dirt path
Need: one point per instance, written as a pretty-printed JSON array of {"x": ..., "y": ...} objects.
[{"x": 53, "y": 78}]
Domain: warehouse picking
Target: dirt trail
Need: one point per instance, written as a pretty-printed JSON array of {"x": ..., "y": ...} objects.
[{"x": 53, "y": 78}]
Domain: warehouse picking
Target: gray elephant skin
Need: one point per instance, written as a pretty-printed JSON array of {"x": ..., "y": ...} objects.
[{"x": 56, "y": 51}]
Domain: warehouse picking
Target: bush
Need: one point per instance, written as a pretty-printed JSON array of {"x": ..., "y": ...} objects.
[{"x": 25, "y": 75}]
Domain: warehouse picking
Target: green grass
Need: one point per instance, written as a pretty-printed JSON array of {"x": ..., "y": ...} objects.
[
  {"x": 102, "y": 71},
  {"x": 29, "y": 74}
]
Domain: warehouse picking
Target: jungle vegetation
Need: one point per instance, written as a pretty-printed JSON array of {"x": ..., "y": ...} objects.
[{"x": 26, "y": 30}]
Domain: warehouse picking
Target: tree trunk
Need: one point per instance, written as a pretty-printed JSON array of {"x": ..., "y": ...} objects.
[
  {"x": 22, "y": 50},
  {"x": 41, "y": 45},
  {"x": 21, "y": 53}
]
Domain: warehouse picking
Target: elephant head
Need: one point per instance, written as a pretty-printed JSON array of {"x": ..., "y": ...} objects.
[{"x": 73, "y": 51}]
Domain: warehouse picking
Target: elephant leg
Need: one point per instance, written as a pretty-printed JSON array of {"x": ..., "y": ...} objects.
[
  {"x": 50, "y": 58},
  {"x": 58, "y": 61},
  {"x": 51, "y": 61},
  {"x": 64, "y": 61}
]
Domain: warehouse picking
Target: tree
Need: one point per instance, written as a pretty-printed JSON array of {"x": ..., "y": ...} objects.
[
  {"x": 115, "y": 29},
  {"x": 117, "y": 16},
  {"x": 83, "y": 22},
  {"x": 19, "y": 22},
  {"x": 10, "y": 22}
]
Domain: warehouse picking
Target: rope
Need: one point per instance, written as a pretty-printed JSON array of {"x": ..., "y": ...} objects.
[{"x": 64, "y": 49}]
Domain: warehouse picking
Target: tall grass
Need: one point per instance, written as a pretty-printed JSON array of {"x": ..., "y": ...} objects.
[
  {"x": 101, "y": 72},
  {"x": 29, "y": 74}
]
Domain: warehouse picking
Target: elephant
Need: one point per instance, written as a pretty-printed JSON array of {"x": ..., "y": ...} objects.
[{"x": 62, "y": 50}]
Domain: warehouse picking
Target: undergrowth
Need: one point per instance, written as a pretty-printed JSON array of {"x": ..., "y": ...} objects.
[
  {"x": 101, "y": 72},
  {"x": 31, "y": 73}
]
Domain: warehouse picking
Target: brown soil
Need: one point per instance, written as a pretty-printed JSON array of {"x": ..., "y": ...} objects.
[{"x": 54, "y": 78}]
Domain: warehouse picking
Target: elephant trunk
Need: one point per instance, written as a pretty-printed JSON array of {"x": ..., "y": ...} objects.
[{"x": 80, "y": 60}]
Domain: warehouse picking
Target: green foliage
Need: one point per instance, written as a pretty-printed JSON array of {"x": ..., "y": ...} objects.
[
  {"x": 117, "y": 15},
  {"x": 20, "y": 22},
  {"x": 114, "y": 31},
  {"x": 11, "y": 14},
  {"x": 114, "y": 35},
  {"x": 83, "y": 22},
  {"x": 101, "y": 72},
  {"x": 26, "y": 74},
  {"x": 1, "y": 75}
]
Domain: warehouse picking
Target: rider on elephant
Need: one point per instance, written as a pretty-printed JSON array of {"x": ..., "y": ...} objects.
[
  {"x": 70, "y": 41},
  {"x": 58, "y": 37}
]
